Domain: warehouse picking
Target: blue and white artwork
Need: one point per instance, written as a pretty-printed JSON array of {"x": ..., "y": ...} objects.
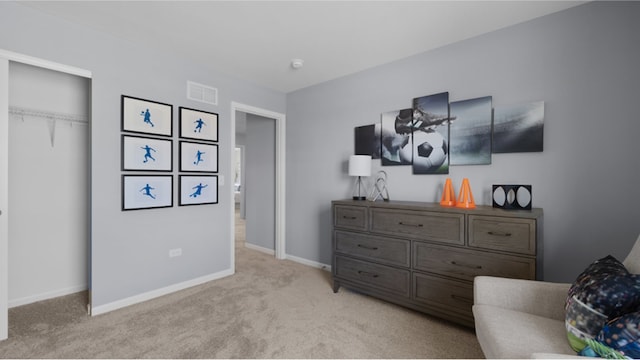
[
  {"x": 198, "y": 190},
  {"x": 146, "y": 154},
  {"x": 198, "y": 157},
  {"x": 146, "y": 191},
  {"x": 199, "y": 125},
  {"x": 470, "y": 132},
  {"x": 145, "y": 116}
]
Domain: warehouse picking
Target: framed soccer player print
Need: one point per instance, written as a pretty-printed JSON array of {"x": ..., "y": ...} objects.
[
  {"x": 199, "y": 125},
  {"x": 146, "y": 116}
]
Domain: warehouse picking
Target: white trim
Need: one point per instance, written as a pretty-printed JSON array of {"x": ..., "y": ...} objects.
[
  {"x": 102, "y": 309},
  {"x": 48, "y": 295},
  {"x": 260, "y": 249},
  {"x": 311, "y": 263},
  {"x": 30, "y": 60},
  {"x": 4, "y": 198},
  {"x": 280, "y": 174}
]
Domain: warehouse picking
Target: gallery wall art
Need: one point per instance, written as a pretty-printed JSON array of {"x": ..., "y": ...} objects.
[{"x": 147, "y": 149}]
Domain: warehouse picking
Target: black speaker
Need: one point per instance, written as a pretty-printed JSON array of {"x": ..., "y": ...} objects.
[{"x": 512, "y": 197}]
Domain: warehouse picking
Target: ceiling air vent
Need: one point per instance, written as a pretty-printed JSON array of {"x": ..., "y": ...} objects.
[{"x": 202, "y": 93}]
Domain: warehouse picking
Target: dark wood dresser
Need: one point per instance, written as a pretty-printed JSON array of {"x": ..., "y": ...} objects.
[{"x": 424, "y": 256}]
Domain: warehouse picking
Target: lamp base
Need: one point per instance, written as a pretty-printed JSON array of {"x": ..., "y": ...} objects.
[{"x": 359, "y": 198}]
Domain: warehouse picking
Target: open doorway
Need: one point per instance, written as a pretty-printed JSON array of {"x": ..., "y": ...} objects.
[
  {"x": 258, "y": 190},
  {"x": 45, "y": 182},
  {"x": 238, "y": 111}
]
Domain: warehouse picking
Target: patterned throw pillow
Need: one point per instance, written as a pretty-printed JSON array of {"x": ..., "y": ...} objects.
[
  {"x": 598, "y": 269},
  {"x": 622, "y": 335},
  {"x": 603, "y": 291}
]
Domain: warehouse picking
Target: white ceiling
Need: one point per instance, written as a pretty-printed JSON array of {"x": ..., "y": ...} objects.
[{"x": 256, "y": 40}]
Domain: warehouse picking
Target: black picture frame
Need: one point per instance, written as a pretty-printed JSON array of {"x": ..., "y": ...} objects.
[
  {"x": 142, "y": 153},
  {"x": 157, "y": 191},
  {"x": 144, "y": 116},
  {"x": 197, "y": 190},
  {"x": 198, "y": 124},
  {"x": 198, "y": 157}
]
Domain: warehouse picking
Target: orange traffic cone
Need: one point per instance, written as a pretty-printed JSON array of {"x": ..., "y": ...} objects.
[
  {"x": 465, "y": 200},
  {"x": 448, "y": 196}
]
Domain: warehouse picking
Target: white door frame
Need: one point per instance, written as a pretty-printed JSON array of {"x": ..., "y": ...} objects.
[
  {"x": 5, "y": 57},
  {"x": 280, "y": 175}
]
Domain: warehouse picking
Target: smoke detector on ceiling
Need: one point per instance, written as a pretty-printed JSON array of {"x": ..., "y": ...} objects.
[{"x": 297, "y": 63}]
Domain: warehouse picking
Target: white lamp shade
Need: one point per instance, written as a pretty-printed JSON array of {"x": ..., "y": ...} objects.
[{"x": 360, "y": 165}]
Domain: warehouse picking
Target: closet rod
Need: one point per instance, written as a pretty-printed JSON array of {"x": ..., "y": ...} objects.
[{"x": 19, "y": 111}]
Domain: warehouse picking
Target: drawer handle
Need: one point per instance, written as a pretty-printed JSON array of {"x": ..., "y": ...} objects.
[
  {"x": 349, "y": 217},
  {"x": 462, "y": 298},
  {"x": 505, "y": 234},
  {"x": 477, "y": 267},
  {"x": 367, "y": 247},
  {"x": 407, "y": 224},
  {"x": 366, "y": 273}
]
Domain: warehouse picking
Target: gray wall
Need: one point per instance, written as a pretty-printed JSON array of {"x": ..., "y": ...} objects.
[
  {"x": 130, "y": 249},
  {"x": 583, "y": 62},
  {"x": 260, "y": 183}
]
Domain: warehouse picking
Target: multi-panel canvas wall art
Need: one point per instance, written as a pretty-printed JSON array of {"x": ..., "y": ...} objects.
[
  {"x": 518, "y": 128},
  {"x": 430, "y": 135},
  {"x": 198, "y": 125},
  {"x": 198, "y": 190},
  {"x": 146, "y": 154},
  {"x": 146, "y": 191},
  {"x": 367, "y": 140},
  {"x": 146, "y": 116},
  {"x": 470, "y": 132},
  {"x": 395, "y": 135}
]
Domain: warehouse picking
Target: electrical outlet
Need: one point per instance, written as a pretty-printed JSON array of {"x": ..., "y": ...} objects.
[{"x": 175, "y": 252}]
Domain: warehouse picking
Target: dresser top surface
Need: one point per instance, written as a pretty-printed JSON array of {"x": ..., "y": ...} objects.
[{"x": 534, "y": 213}]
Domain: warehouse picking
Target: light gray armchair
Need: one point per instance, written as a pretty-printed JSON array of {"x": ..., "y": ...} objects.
[{"x": 524, "y": 318}]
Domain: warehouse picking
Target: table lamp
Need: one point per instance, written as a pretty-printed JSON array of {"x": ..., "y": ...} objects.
[{"x": 359, "y": 165}]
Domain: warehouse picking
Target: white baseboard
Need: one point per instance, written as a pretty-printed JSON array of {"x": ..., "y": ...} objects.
[
  {"x": 47, "y": 295},
  {"x": 260, "y": 248},
  {"x": 102, "y": 309},
  {"x": 309, "y": 262},
  {"x": 289, "y": 257}
]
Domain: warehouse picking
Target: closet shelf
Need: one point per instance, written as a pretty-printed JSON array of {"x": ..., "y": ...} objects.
[{"x": 20, "y": 111}]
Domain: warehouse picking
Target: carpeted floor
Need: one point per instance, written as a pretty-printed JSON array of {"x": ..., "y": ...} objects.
[{"x": 268, "y": 309}]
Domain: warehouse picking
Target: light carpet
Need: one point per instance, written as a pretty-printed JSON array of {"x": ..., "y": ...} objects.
[{"x": 269, "y": 309}]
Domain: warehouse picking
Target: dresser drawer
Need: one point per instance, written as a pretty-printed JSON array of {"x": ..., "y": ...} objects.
[
  {"x": 384, "y": 250},
  {"x": 350, "y": 217},
  {"x": 467, "y": 264},
  {"x": 424, "y": 225},
  {"x": 449, "y": 294},
  {"x": 502, "y": 233},
  {"x": 378, "y": 276}
]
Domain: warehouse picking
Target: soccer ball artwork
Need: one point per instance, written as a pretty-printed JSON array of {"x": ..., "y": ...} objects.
[{"x": 428, "y": 149}]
